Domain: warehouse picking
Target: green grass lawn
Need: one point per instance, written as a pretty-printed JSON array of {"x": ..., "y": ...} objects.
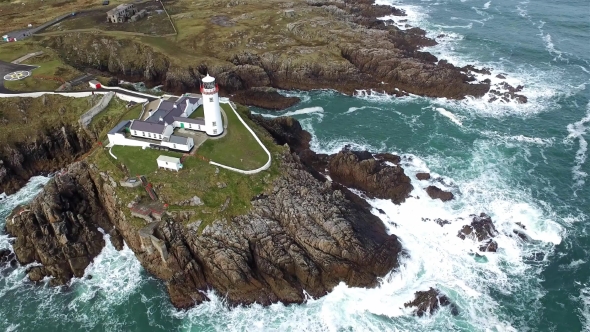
[
  {"x": 112, "y": 115},
  {"x": 238, "y": 148},
  {"x": 139, "y": 161}
]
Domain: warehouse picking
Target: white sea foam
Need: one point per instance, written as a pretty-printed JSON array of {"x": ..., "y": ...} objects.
[
  {"x": 576, "y": 131},
  {"x": 317, "y": 110},
  {"x": 354, "y": 109},
  {"x": 436, "y": 258},
  {"x": 449, "y": 115},
  {"x": 487, "y": 5},
  {"x": 584, "y": 310},
  {"x": 518, "y": 138}
]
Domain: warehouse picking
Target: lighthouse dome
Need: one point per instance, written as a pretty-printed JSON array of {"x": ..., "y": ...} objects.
[{"x": 208, "y": 79}]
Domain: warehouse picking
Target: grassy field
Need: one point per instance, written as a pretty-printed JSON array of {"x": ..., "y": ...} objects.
[
  {"x": 238, "y": 148},
  {"x": 51, "y": 71},
  {"x": 197, "y": 178},
  {"x": 23, "y": 119},
  {"x": 116, "y": 112}
]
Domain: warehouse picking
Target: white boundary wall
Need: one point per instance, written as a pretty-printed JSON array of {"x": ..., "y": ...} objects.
[
  {"x": 87, "y": 117},
  {"x": 254, "y": 171}
]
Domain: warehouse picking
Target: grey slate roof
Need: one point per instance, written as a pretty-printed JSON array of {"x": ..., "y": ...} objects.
[
  {"x": 168, "y": 112},
  {"x": 119, "y": 127},
  {"x": 199, "y": 121},
  {"x": 178, "y": 139},
  {"x": 154, "y": 128}
]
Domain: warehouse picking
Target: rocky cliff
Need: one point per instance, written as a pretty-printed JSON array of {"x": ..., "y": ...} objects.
[
  {"x": 49, "y": 151},
  {"x": 300, "y": 236},
  {"x": 338, "y": 45}
]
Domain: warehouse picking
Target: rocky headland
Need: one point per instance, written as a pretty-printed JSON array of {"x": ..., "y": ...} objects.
[{"x": 304, "y": 234}]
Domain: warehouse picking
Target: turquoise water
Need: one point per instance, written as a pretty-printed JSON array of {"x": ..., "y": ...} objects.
[{"x": 518, "y": 163}]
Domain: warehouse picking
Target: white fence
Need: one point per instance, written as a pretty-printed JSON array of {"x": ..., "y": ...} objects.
[{"x": 254, "y": 171}]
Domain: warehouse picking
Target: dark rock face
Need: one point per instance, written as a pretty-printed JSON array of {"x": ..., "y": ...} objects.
[
  {"x": 428, "y": 302},
  {"x": 389, "y": 157},
  {"x": 267, "y": 98},
  {"x": 285, "y": 130},
  {"x": 301, "y": 236},
  {"x": 423, "y": 176},
  {"x": 7, "y": 257},
  {"x": 361, "y": 171},
  {"x": 481, "y": 229},
  {"x": 435, "y": 192},
  {"x": 51, "y": 151},
  {"x": 59, "y": 229}
]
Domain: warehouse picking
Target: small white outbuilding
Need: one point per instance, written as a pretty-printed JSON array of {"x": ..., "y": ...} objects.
[{"x": 169, "y": 163}]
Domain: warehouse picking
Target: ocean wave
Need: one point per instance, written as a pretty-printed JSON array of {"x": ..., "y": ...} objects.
[
  {"x": 576, "y": 131},
  {"x": 584, "y": 310},
  {"x": 449, "y": 115}
]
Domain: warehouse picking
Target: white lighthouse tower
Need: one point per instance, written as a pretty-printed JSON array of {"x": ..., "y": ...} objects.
[{"x": 209, "y": 90}]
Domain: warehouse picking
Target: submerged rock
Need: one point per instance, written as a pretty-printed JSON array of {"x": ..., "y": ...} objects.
[
  {"x": 423, "y": 176},
  {"x": 435, "y": 192},
  {"x": 428, "y": 302},
  {"x": 7, "y": 257},
  {"x": 481, "y": 229}
]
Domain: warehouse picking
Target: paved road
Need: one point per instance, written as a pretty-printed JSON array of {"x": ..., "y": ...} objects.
[
  {"x": 25, "y": 33},
  {"x": 7, "y": 68}
]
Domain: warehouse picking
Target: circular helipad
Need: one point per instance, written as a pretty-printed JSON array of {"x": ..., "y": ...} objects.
[{"x": 17, "y": 75}]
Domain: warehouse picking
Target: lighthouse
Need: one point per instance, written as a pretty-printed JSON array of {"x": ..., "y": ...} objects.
[{"x": 209, "y": 90}]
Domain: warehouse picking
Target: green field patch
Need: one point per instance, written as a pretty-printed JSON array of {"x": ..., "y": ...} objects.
[{"x": 238, "y": 148}]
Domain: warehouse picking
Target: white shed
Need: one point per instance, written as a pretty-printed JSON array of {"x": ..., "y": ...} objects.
[{"x": 169, "y": 163}]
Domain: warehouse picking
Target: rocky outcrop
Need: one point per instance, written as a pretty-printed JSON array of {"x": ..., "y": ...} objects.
[
  {"x": 49, "y": 151},
  {"x": 436, "y": 193},
  {"x": 301, "y": 236},
  {"x": 268, "y": 98},
  {"x": 285, "y": 130},
  {"x": 360, "y": 170},
  {"x": 482, "y": 230},
  {"x": 428, "y": 302},
  {"x": 60, "y": 228}
]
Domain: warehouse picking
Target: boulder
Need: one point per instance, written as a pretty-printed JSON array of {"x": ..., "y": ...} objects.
[
  {"x": 428, "y": 302},
  {"x": 423, "y": 176},
  {"x": 435, "y": 192}
]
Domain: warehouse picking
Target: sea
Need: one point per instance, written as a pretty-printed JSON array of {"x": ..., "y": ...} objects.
[{"x": 519, "y": 163}]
